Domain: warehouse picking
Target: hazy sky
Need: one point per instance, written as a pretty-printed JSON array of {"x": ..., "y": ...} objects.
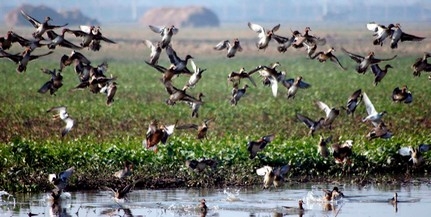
[{"x": 236, "y": 10}]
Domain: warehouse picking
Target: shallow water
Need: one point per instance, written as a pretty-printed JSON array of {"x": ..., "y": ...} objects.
[{"x": 415, "y": 200}]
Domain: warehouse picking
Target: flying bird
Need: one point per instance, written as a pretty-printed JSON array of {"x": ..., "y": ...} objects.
[
  {"x": 166, "y": 33},
  {"x": 22, "y": 59},
  {"x": 156, "y": 49},
  {"x": 402, "y": 95},
  {"x": 156, "y": 134},
  {"x": 53, "y": 84},
  {"x": 253, "y": 147},
  {"x": 201, "y": 164},
  {"x": 381, "y": 32},
  {"x": 61, "y": 113},
  {"x": 353, "y": 102},
  {"x": 263, "y": 35},
  {"x": 41, "y": 27},
  {"x": 237, "y": 94},
  {"x": 373, "y": 116},
  {"x": 379, "y": 73},
  {"x": 330, "y": 112},
  {"x": 365, "y": 61},
  {"x": 311, "y": 124},
  {"x": 322, "y": 56},
  {"x": 399, "y": 35},
  {"x": 231, "y": 48}
]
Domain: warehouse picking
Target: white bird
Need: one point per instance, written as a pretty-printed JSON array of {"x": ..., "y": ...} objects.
[
  {"x": 195, "y": 77},
  {"x": 156, "y": 49},
  {"x": 263, "y": 35},
  {"x": 231, "y": 48},
  {"x": 64, "y": 116},
  {"x": 165, "y": 32},
  {"x": 374, "y": 116},
  {"x": 331, "y": 113},
  {"x": 381, "y": 32},
  {"x": 268, "y": 175}
]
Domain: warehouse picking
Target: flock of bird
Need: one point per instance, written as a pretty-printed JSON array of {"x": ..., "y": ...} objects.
[{"x": 96, "y": 80}]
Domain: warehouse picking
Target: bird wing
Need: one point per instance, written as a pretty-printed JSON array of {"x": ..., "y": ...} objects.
[
  {"x": 263, "y": 170},
  {"x": 306, "y": 120},
  {"x": 51, "y": 34},
  {"x": 68, "y": 44},
  {"x": 408, "y": 37},
  {"x": 157, "y": 29},
  {"x": 323, "y": 107},
  {"x": 85, "y": 29},
  {"x": 274, "y": 85},
  {"x": 256, "y": 27},
  {"x": 32, "y": 57},
  {"x": 45, "y": 87},
  {"x": 187, "y": 126},
  {"x": 372, "y": 26},
  {"x": 69, "y": 124},
  {"x": 424, "y": 147},
  {"x": 375, "y": 68},
  {"x": 107, "y": 40},
  {"x": 368, "y": 105},
  {"x": 281, "y": 171},
  {"x": 149, "y": 44},
  {"x": 173, "y": 58},
  {"x": 195, "y": 69},
  {"x": 30, "y": 19},
  {"x": 58, "y": 109},
  {"x": 357, "y": 58},
  {"x": 405, "y": 151},
  {"x": 222, "y": 45},
  {"x": 304, "y": 85},
  {"x": 66, "y": 174},
  {"x": 280, "y": 39}
]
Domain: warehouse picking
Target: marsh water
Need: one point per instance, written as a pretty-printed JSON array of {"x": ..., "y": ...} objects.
[{"x": 369, "y": 200}]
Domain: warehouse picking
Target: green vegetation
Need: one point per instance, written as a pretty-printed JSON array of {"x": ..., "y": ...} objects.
[{"x": 31, "y": 146}]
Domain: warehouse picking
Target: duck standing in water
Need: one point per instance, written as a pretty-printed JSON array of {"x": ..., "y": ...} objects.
[{"x": 295, "y": 210}]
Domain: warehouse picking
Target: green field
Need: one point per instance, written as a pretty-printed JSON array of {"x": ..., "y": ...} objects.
[{"x": 31, "y": 146}]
